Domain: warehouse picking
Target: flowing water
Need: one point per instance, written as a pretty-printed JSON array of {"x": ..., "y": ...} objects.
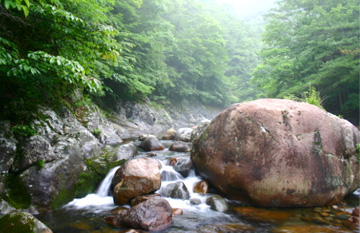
[{"x": 86, "y": 214}]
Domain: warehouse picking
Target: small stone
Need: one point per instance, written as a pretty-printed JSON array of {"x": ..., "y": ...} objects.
[
  {"x": 356, "y": 212},
  {"x": 317, "y": 210},
  {"x": 324, "y": 214},
  {"x": 195, "y": 201},
  {"x": 177, "y": 211},
  {"x": 201, "y": 187}
]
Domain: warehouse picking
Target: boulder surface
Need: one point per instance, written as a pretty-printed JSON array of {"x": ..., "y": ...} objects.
[
  {"x": 136, "y": 177},
  {"x": 279, "y": 153}
]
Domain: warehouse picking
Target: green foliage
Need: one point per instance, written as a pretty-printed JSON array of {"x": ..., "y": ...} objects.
[
  {"x": 17, "y": 222},
  {"x": 21, "y": 5},
  {"x": 96, "y": 132},
  {"x": 40, "y": 164},
  {"x": 310, "y": 96},
  {"x": 358, "y": 152},
  {"x": 313, "y": 43},
  {"x": 26, "y": 131}
]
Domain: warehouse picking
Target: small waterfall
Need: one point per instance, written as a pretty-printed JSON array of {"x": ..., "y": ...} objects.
[
  {"x": 169, "y": 174},
  {"x": 105, "y": 185}
]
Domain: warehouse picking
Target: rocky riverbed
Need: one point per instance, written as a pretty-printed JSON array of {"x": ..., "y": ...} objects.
[{"x": 68, "y": 158}]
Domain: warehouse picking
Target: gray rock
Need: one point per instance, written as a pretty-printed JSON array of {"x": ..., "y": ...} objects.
[
  {"x": 183, "y": 134},
  {"x": 183, "y": 166},
  {"x": 180, "y": 146},
  {"x": 176, "y": 190},
  {"x": 35, "y": 150},
  {"x": 5, "y": 207},
  {"x": 217, "y": 203},
  {"x": 150, "y": 144},
  {"x": 126, "y": 152}
]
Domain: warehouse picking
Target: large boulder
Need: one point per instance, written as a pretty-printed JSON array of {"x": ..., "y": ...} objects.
[
  {"x": 136, "y": 177},
  {"x": 281, "y": 153},
  {"x": 154, "y": 214},
  {"x": 22, "y": 222}
]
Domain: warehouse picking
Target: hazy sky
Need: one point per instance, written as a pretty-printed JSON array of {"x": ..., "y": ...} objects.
[{"x": 246, "y": 8}]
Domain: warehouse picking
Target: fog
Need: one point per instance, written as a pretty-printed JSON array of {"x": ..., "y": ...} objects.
[{"x": 249, "y": 8}]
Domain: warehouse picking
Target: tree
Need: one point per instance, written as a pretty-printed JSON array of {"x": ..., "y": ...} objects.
[{"x": 313, "y": 43}]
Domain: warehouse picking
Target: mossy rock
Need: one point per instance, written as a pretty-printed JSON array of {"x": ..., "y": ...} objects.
[{"x": 21, "y": 222}]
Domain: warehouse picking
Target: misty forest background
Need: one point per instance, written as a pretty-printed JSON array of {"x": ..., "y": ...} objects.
[{"x": 176, "y": 51}]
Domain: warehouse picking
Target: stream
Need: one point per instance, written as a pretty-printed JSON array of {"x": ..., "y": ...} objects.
[{"x": 86, "y": 215}]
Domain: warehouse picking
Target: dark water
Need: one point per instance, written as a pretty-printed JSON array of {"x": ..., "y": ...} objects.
[{"x": 86, "y": 215}]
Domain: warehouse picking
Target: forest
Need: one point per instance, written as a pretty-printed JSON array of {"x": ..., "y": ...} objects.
[{"x": 177, "y": 50}]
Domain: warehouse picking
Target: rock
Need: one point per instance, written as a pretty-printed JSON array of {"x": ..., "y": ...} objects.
[
  {"x": 108, "y": 136},
  {"x": 226, "y": 228},
  {"x": 35, "y": 150},
  {"x": 201, "y": 187},
  {"x": 177, "y": 211},
  {"x": 356, "y": 212},
  {"x": 126, "y": 152},
  {"x": 136, "y": 177},
  {"x": 217, "y": 203},
  {"x": 169, "y": 134},
  {"x": 143, "y": 198},
  {"x": 180, "y": 146},
  {"x": 279, "y": 153},
  {"x": 119, "y": 210},
  {"x": 183, "y": 166},
  {"x": 173, "y": 161},
  {"x": 309, "y": 228},
  {"x": 195, "y": 201},
  {"x": 22, "y": 222},
  {"x": 154, "y": 214},
  {"x": 263, "y": 214},
  {"x": 142, "y": 137},
  {"x": 176, "y": 190},
  {"x": 353, "y": 223},
  {"x": 199, "y": 129},
  {"x": 5, "y": 207},
  {"x": 183, "y": 134},
  {"x": 150, "y": 144}
]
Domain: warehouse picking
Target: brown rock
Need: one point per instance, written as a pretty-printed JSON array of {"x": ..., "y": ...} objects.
[
  {"x": 279, "y": 153},
  {"x": 118, "y": 210},
  {"x": 142, "y": 198},
  {"x": 309, "y": 228},
  {"x": 136, "y": 177},
  {"x": 356, "y": 212},
  {"x": 154, "y": 214},
  {"x": 201, "y": 187},
  {"x": 173, "y": 161},
  {"x": 169, "y": 134},
  {"x": 353, "y": 223},
  {"x": 263, "y": 215},
  {"x": 177, "y": 211}
]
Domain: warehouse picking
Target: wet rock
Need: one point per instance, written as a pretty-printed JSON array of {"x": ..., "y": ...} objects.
[
  {"x": 263, "y": 215},
  {"x": 201, "y": 187},
  {"x": 169, "y": 134},
  {"x": 142, "y": 137},
  {"x": 150, "y": 144},
  {"x": 227, "y": 228},
  {"x": 217, "y": 203},
  {"x": 173, "y": 161},
  {"x": 136, "y": 177},
  {"x": 279, "y": 153},
  {"x": 119, "y": 210},
  {"x": 199, "y": 129},
  {"x": 353, "y": 223},
  {"x": 180, "y": 146},
  {"x": 126, "y": 152},
  {"x": 183, "y": 134},
  {"x": 195, "y": 201},
  {"x": 22, "y": 222},
  {"x": 177, "y": 211},
  {"x": 356, "y": 212},
  {"x": 183, "y": 166},
  {"x": 142, "y": 198},
  {"x": 154, "y": 214},
  {"x": 176, "y": 190},
  {"x": 309, "y": 228}
]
